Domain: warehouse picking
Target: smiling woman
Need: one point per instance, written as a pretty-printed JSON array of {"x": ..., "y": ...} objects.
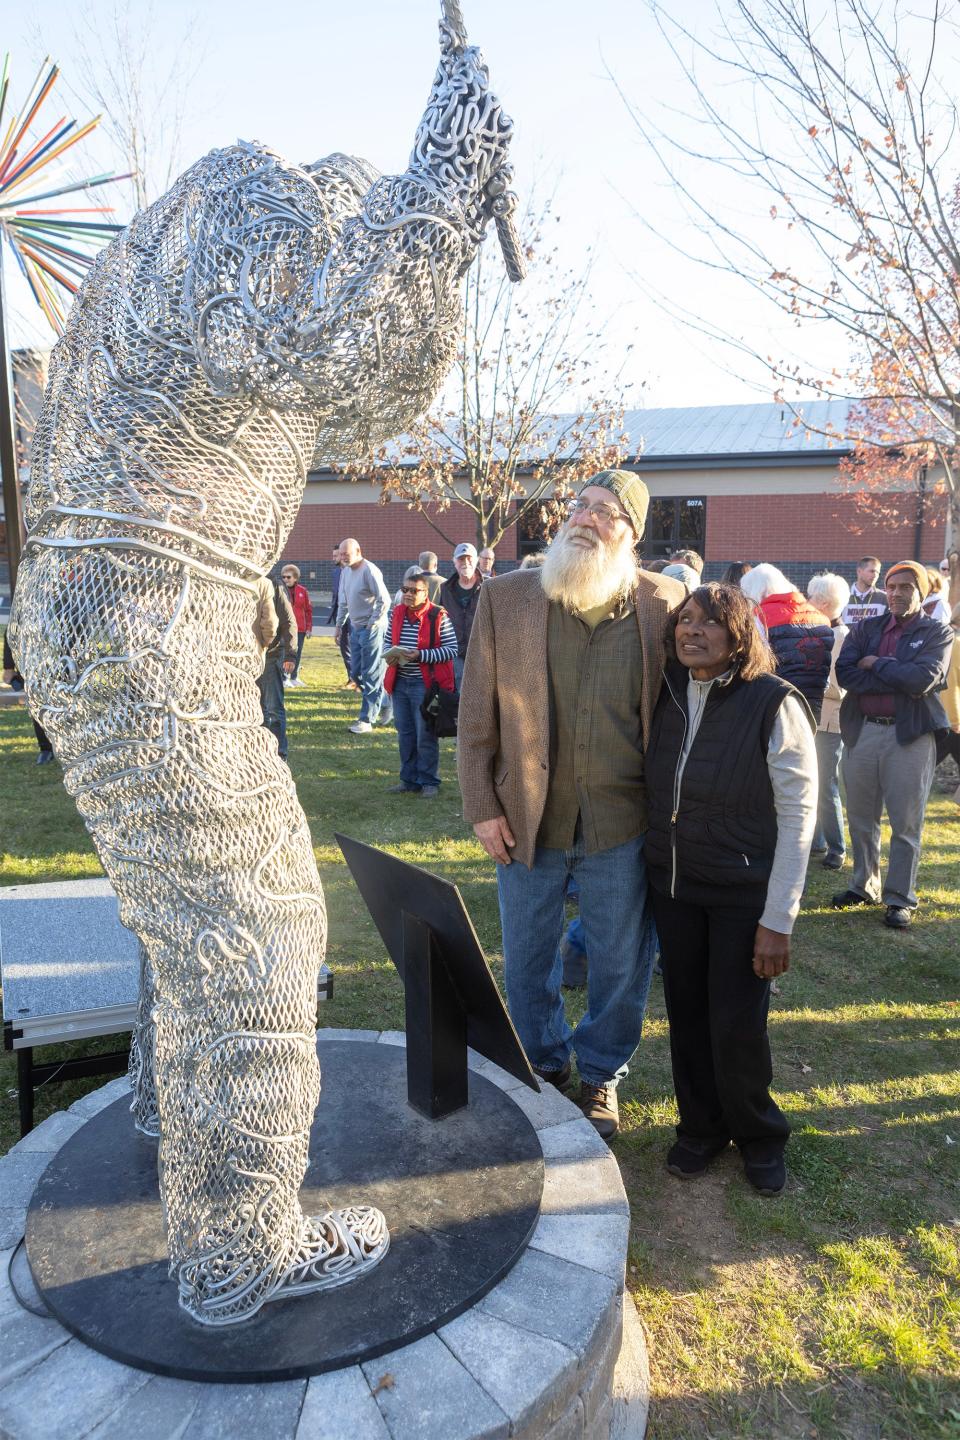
[{"x": 731, "y": 779}]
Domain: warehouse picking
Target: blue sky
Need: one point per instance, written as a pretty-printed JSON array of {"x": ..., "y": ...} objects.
[{"x": 311, "y": 78}]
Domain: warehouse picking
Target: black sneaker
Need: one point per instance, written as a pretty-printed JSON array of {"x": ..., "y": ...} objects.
[
  {"x": 689, "y": 1158},
  {"x": 832, "y": 862},
  {"x": 559, "y": 1078},
  {"x": 404, "y": 790},
  {"x": 849, "y": 899},
  {"x": 898, "y": 917},
  {"x": 429, "y": 792},
  {"x": 767, "y": 1177}
]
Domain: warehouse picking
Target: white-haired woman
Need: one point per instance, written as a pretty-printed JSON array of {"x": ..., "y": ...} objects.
[
  {"x": 830, "y": 594},
  {"x": 799, "y": 635},
  {"x": 299, "y": 598}
]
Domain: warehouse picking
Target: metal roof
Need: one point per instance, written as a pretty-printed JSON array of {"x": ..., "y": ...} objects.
[
  {"x": 737, "y": 430},
  {"x": 710, "y": 436}
]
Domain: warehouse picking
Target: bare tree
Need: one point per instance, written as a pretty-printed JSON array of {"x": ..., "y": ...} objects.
[
  {"x": 846, "y": 144},
  {"x": 144, "y": 98},
  {"x": 531, "y": 409}
]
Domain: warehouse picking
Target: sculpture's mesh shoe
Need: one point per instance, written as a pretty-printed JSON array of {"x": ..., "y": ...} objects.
[
  {"x": 235, "y": 1278},
  {"x": 337, "y": 1247}
]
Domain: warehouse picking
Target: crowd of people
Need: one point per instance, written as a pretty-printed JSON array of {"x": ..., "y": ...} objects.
[{"x": 671, "y": 753}]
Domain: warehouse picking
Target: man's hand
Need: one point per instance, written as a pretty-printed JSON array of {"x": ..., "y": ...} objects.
[
  {"x": 494, "y": 835},
  {"x": 289, "y": 666},
  {"x": 337, "y": 633},
  {"x": 771, "y": 953},
  {"x": 867, "y": 663}
]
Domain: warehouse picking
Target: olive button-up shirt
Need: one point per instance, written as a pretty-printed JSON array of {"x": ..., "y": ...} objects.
[{"x": 596, "y": 742}]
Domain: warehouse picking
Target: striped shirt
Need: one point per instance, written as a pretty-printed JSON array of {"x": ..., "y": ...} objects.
[{"x": 410, "y": 640}]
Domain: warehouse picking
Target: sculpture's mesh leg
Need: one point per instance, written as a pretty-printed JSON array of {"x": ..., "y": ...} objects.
[
  {"x": 148, "y": 682},
  {"x": 143, "y": 1054}
]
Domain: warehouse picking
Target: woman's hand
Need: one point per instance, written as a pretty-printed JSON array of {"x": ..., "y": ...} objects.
[{"x": 771, "y": 953}]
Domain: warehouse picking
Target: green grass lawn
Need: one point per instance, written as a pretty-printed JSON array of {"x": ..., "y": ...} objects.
[{"x": 831, "y": 1312}]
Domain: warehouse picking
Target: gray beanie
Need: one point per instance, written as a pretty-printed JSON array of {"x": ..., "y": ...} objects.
[{"x": 629, "y": 490}]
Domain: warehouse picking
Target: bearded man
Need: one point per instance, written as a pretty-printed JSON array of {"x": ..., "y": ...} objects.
[{"x": 561, "y": 679}]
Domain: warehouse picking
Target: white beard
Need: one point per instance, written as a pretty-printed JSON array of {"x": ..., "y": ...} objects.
[{"x": 579, "y": 578}]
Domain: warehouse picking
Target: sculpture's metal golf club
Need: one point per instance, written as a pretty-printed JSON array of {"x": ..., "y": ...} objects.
[{"x": 502, "y": 201}]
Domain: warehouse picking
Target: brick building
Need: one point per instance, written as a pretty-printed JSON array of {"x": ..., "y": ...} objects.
[{"x": 735, "y": 482}]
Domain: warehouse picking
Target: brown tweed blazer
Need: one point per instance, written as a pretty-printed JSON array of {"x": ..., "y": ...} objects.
[{"x": 503, "y": 739}]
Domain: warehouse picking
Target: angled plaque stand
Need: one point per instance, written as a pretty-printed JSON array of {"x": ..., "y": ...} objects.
[{"x": 452, "y": 999}]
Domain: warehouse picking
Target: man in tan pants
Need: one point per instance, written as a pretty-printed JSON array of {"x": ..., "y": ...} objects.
[{"x": 891, "y": 666}]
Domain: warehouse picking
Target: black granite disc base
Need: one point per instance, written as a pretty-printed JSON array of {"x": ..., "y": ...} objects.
[{"x": 461, "y": 1197}]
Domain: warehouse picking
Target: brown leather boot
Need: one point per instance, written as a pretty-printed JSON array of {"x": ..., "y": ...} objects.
[{"x": 599, "y": 1105}]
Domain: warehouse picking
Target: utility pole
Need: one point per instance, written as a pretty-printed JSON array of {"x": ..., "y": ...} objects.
[
  {"x": 921, "y": 515},
  {"x": 8, "y": 446}
]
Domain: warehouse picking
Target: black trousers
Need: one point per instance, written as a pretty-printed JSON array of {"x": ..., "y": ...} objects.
[
  {"x": 345, "y": 648},
  {"x": 717, "y": 1008}
]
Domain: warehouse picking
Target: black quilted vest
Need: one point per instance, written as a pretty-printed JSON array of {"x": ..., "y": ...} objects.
[{"x": 725, "y": 829}]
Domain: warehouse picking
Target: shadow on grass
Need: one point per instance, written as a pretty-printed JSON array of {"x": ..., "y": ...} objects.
[{"x": 846, "y": 1403}]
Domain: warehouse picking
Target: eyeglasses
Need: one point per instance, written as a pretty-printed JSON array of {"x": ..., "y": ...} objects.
[
  {"x": 413, "y": 589},
  {"x": 604, "y": 513}
]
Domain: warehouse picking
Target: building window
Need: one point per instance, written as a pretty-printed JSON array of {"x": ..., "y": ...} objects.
[
  {"x": 674, "y": 524},
  {"x": 531, "y": 534}
]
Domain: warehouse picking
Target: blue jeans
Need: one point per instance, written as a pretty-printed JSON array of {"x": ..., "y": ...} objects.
[
  {"x": 270, "y": 685},
  {"x": 419, "y": 747},
  {"x": 829, "y": 832},
  {"x": 302, "y": 635},
  {"x": 621, "y": 942},
  {"x": 366, "y": 647}
]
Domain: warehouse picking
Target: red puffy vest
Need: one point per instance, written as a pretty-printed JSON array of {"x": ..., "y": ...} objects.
[{"x": 428, "y": 638}]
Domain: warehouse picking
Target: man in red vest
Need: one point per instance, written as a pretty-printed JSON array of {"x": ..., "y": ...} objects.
[{"x": 422, "y": 649}]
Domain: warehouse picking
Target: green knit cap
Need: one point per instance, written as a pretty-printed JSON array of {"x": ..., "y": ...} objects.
[{"x": 629, "y": 490}]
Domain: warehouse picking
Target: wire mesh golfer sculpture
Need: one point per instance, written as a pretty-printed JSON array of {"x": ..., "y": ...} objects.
[{"x": 256, "y": 316}]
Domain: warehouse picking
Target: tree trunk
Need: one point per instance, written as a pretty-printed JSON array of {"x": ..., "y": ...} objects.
[{"x": 953, "y": 548}]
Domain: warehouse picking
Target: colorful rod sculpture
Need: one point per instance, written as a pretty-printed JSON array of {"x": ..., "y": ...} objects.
[
  {"x": 52, "y": 247},
  {"x": 53, "y": 239},
  {"x": 259, "y": 314}
]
